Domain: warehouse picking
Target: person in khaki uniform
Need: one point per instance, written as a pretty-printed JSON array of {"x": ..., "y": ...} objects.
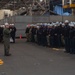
[
  {"x": 6, "y": 39},
  {"x": 27, "y": 33}
]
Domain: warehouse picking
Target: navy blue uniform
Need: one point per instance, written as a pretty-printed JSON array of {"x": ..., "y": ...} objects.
[
  {"x": 72, "y": 40},
  {"x": 58, "y": 34},
  {"x": 27, "y": 30},
  {"x": 52, "y": 37},
  {"x": 13, "y": 33},
  {"x": 44, "y": 37},
  {"x": 39, "y": 36},
  {"x": 33, "y": 32},
  {"x": 66, "y": 30},
  {"x": 1, "y": 34}
]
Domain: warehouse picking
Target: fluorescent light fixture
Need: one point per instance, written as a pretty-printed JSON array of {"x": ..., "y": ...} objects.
[
  {"x": 63, "y": 2},
  {"x": 41, "y": 0},
  {"x": 70, "y": 1}
]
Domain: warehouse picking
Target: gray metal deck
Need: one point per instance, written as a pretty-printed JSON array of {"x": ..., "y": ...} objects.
[{"x": 31, "y": 59}]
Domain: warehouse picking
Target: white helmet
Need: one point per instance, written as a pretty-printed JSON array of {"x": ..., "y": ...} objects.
[
  {"x": 57, "y": 22},
  {"x": 12, "y": 24},
  {"x": 72, "y": 25},
  {"x": 66, "y": 21},
  {"x": 6, "y": 24}
]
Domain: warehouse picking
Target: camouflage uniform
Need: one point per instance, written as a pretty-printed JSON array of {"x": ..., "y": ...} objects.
[{"x": 6, "y": 38}]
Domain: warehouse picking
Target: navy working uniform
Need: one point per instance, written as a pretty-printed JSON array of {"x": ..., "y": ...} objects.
[
  {"x": 39, "y": 35},
  {"x": 72, "y": 39},
  {"x": 1, "y": 34},
  {"x": 66, "y": 30},
  {"x": 13, "y": 32},
  {"x": 52, "y": 35},
  {"x": 58, "y": 35},
  {"x": 44, "y": 36}
]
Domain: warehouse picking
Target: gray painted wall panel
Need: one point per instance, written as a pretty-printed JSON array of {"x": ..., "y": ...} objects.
[
  {"x": 55, "y": 18},
  {"x": 20, "y": 32},
  {"x": 40, "y": 19},
  {"x": 70, "y": 18},
  {"x": 21, "y": 21}
]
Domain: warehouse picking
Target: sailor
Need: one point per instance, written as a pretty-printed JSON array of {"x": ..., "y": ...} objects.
[
  {"x": 13, "y": 32},
  {"x": 66, "y": 30},
  {"x": 27, "y": 33},
  {"x": 6, "y": 39},
  {"x": 1, "y": 33},
  {"x": 72, "y": 39}
]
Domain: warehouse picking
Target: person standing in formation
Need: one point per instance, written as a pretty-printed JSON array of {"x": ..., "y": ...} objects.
[{"x": 13, "y": 32}]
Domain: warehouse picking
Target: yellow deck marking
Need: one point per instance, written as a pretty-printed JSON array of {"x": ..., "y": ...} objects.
[
  {"x": 1, "y": 62},
  {"x": 56, "y": 49}
]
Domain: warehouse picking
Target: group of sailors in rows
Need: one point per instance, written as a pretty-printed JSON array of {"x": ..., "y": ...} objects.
[{"x": 54, "y": 34}]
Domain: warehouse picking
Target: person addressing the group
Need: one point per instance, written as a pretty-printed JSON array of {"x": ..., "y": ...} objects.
[{"x": 6, "y": 39}]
